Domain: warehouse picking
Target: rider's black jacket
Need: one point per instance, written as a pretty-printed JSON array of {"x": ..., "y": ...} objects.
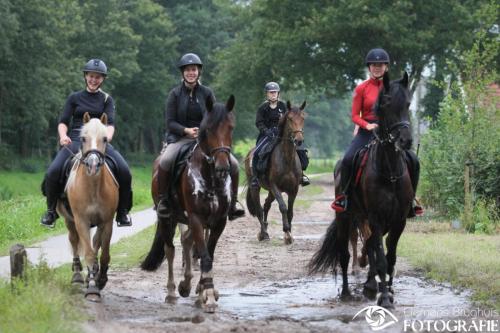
[{"x": 179, "y": 101}]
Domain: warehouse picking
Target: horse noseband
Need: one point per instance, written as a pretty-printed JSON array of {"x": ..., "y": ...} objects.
[
  {"x": 222, "y": 149},
  {"x": 100, "y": 157},
  {"x": 292, "y": 134},
  {"x": 397, "y": 126}
]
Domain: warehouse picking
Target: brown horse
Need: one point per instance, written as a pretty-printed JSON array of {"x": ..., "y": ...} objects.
[
  {"x": 92, "y": 199},
  {"x": 383, "y": 198},
  {"x": 203, "y": 197},
  {"x": 283, "y": 174}
]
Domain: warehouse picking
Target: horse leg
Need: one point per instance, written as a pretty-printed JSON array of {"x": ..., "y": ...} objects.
[
  {"x": 253, "y": 197},
  {"x": 77, "y": 265},
  {"x": 267, "y": 206},
  {"x": 205, "y": 288},
  {"x": 391, "y": 243},
  {"x": 283, "y": 210},
  {"x": 187, "y": 245},
  {"x": 343, "y": 248},
  {"x": 354, "y": 243},
  {"x": 210, "y": 295},
  {"x": 370, "y": 287},
  {"x": 170, "y": 254},
  {"x": 364, "y": 228},
  {"x": 104, "y": 242},
  {"x": 288, "y": 235},
  {"x": 92, "y": 293},
  {"x": 384, "y": 298}
]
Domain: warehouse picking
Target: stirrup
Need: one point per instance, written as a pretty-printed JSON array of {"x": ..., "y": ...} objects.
[
  {"x": 339, "y": 205},
  {"x": 123, "y": 220},
  {"x": 49, "y": 219},
  {"x": 305, "y": 180}
]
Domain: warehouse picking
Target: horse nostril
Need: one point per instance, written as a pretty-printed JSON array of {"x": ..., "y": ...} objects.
[{"x": 299, "y": 143}]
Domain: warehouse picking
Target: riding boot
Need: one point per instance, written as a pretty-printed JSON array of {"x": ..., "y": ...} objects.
[
  {"x": 304, "y": 180},
  {"x": 339, "y": 205},
  {"x": 235, "y": 212},
  {"x": 162, "y": 210},
  {"x": 52, "y": 191},
  {"x": 124, "y": 206}
]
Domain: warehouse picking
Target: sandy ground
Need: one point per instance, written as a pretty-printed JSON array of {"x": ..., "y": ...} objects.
[{"x": 263, "y": 285}]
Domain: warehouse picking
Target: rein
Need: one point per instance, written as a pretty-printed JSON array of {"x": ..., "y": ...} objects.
[{"x": 391, "y": 139}]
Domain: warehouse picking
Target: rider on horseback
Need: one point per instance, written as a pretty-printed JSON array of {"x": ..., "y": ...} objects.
[
  {"x": 268, "y": 116},
  {"x": 363, "y": 115},
  {"x": 185, "y": 109},
  {"x": 96, "y": 102}
]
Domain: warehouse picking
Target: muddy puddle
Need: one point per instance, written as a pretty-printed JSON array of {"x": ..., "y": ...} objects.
[{"x": 315, "y": 301}]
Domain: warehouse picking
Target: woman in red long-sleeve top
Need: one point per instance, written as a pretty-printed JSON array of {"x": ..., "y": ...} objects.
[{"x": 363, "y": 115}]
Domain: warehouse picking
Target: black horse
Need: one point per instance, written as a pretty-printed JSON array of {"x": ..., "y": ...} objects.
[{"x": 383, "y": 198}]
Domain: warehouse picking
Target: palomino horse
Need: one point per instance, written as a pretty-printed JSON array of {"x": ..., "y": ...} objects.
[
  {"x": 283, "y": 174},
  {"x": 204, "y": 195},
  {"x": 383, "y": 198},
  {"x": 92, "y": 199}
]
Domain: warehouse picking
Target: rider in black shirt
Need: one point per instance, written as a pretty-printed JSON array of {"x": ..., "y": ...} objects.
[
  {"x": 96, "y": 102},
  {"x": 267, "y": 119}
]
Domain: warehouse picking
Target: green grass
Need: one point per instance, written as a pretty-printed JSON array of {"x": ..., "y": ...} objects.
[
  {"x": 43, "y": 303},
  {"x": 22, "y": 204},
  {"x": 465, "y": 260},
  {"x": 130, "y": 251}
]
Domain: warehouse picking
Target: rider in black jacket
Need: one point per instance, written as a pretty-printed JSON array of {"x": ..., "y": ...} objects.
[
  {"x": 185, "y": 108},
  {"x": 267, "y": 119}
]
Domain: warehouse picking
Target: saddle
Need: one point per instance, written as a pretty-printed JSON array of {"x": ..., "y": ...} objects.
[
  {"x": 264, "y": 154},
  {"x": 359, "y": 163}
]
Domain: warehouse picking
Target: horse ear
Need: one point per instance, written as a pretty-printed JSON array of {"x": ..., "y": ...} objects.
[
  {"x": 104, "y": 119},
  {"x": 303, "y": 106},
  {"x": 230, "y": 103},
  {"x": 86, "y": 117},
  {"x": 405, "y": 80},
  {"x": 387, "y": 82},
  {"x": 288, "y": 105},
  {"x": 209, "y": 103}
]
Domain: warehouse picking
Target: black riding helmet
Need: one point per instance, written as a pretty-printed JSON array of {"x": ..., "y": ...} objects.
[
  {"x": 377, "y": 56},
  {"x": 190, "y": 59},
  {"x": 272, "y": 86},
  {"x": 96, "y": 66}
]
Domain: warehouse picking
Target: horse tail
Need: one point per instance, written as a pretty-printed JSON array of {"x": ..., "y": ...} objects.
[
  {"x": 157, "y": 253},
  {"x": 251, "y": 204},
  {"x": 329, "y": 254}
]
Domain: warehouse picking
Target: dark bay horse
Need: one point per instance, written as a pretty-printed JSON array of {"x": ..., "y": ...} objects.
[
  {"x": 203, "y": 197},
  {"x": 283, "y": 174},
  {"x": 383, "y": 197},
  {"x": 92, "y": 199}
]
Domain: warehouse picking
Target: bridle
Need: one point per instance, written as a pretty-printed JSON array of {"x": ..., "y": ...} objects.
[{"x": 210, "y": 157}]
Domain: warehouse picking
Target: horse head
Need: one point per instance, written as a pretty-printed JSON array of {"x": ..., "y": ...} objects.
[
  {"x": 216, "y": 135},
  {"x": 292, "y": 123},
  {"x": 392, "y": 108},
  {"x": 94, "y": 139}
]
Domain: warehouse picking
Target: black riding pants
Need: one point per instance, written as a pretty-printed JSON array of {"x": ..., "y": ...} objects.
[{"x": 55, "y": 170}]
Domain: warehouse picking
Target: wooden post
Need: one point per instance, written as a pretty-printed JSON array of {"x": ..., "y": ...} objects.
[{"x": 18, "y": 261}]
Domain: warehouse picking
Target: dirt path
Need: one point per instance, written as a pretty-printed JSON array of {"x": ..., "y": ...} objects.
[{"x": 263, "y": 286}]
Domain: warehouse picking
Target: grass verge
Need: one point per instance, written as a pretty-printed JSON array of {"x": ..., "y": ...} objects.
[
  {"x": 41, "y": 303},
  {"x": 464, "y": 260}
]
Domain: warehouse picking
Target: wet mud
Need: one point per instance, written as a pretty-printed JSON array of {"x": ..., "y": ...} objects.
[{"x": 264, "y": 287}]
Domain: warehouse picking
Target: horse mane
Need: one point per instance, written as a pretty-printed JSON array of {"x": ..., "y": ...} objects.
[
  {"x": 212, "y": 119},
  {"x": 398, "y": 95}
]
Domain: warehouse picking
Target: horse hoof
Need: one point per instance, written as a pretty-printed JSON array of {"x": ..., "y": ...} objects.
[
  {"x": 171, "y": 299},
  {"x": 288, "y": 239},
  {"x": 385, "y": 302},
  {"x": 92, "y": 294},
  {"x": 184, "y": 289},
  {"x": 77, "y": 279},
  {"x": 345, "y": 295},
  {"x": 263, "y": 236}
]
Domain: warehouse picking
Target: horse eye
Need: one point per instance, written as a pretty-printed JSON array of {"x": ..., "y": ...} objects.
[
  {"x": 105, "y": 139},
  {"x": 84, "y": 140}
]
